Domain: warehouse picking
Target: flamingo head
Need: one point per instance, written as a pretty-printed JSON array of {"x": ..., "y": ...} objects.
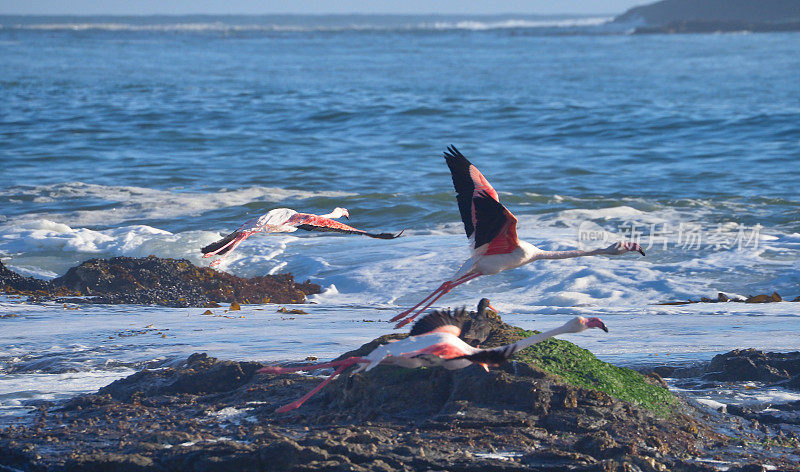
[
  {"x": 340, "y": 212},
  {"x": 624, "y": 246},
  {"x": 580, "y": 323}
]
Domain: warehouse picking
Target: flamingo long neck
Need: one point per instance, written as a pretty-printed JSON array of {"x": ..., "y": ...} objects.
[
  {"x": 336, "y": 213},
  {"x": 568, "y": 254},
  {"x": 537, "y": 338}
]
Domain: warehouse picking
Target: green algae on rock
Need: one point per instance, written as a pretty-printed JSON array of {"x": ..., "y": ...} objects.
[
  {"x": 581, "y": 368},
  {"x": 569, "y": 363},
  {"x": 210, "y": 414}
]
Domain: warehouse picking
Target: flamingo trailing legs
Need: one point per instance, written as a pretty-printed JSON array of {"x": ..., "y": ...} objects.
[
  {"x": 437, "y": 339},
  {"x": 285, "y": 220},
  {"x": 492, "y": 232}
]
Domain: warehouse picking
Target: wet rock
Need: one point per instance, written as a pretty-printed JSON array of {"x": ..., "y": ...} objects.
[
  {"x": 758, "y": 299},
  {"x": 739, "y": 410},
  {"x": 200, "y": 374},
  {"x": 206, "y": 414},
  {"x": 721, "y": 297},
  {"x": 12, "y": 282},
  {"x": 656, "y": 379},
  {"x": 153, "y": 280},
  {"x": 752, "y": 364},
  {"x": 110, "y": 461},
  {"x": 663, "y": 371},
  {"x": 293, "y": 311},
  {"x": 599, "y": 445},
  {"x": 752, "y": 467},
  {"x": 793, "y": 383}
]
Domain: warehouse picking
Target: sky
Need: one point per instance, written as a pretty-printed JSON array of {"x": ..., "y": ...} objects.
[{"x": 177, "y": 7}]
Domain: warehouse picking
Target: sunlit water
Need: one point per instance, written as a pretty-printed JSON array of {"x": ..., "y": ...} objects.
[{"x": 138, "y": 136}]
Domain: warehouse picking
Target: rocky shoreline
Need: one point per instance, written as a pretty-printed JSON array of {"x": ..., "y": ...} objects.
[
  {"x": 723, "y": 298},
  {"x": 154, "y": 280},
  {"x": 536, "y": 413}
]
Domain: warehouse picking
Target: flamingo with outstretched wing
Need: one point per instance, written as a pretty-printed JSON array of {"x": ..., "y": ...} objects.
[
  {"x": 492, "y": 232},
  {"x": 437, "y": 339},
  {"x": 285, "y": 220}
]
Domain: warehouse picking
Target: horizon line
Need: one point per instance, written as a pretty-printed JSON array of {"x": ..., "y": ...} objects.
[{"x": 308, "y": 14}]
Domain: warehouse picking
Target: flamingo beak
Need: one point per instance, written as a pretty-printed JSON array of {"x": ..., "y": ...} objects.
[
  {"x": 641, "y": 251},
  {"x": 595, "y": 323}
]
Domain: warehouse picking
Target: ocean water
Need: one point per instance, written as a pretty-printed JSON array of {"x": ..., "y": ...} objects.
[{"x": 155, "y": 135}]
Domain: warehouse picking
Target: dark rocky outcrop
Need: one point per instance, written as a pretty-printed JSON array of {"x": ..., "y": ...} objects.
[
  {"x": 205, "y": 414},
  {"x": 752, "y": 364},
  {"x": 11, "y": 281},
  {"x": 723, "y": 298},
  {"x": 740, "y": 365},
  {"x": 153, "y": 280},
  {"x": 706, "y": 16},
  {"x": 739, "y": 370}
]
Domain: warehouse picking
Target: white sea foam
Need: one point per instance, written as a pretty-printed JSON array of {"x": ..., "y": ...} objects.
[
  {"x": 222, "y": 27},
  {"x": 138, "y": 203},
  {"x": 52, "y": 246},
  {"x": 506, "y": 24}
]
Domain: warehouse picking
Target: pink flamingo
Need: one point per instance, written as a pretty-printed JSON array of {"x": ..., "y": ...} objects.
[
  {"x": 436, "y": 340},
  {"x": 492, "y": 232},
  {"x": 285, "y": 220}
]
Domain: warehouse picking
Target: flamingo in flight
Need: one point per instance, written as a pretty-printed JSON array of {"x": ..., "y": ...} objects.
[
  {"x": 437, "y": 339},
  {"x": 285, "y": 220},
  {"x": 492, "y": 233}
]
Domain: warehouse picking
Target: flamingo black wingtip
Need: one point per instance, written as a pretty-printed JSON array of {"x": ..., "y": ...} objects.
[
  {"x": 452, "y": 152},
  {"x": 384, "y": 235}
]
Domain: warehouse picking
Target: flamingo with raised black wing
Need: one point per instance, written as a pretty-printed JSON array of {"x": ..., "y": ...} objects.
[
  {"x": 437, "y": 339},
  {"x": 285, "y": 220},
  {"x": 492, "y": 233}
]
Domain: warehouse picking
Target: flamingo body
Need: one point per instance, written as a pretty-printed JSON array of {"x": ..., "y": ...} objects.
[
  {"x": 442, "y": 346},
  {"x": 492, "y": 232},
  {"x": 286, "y": 220}
]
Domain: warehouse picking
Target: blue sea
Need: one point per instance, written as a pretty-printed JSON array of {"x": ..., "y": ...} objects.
[{"x": 157, "y": 135}]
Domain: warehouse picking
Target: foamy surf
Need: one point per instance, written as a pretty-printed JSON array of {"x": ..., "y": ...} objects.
[
  {"x": 125, "y": 203},
  {"x": 333, "y": 23}
]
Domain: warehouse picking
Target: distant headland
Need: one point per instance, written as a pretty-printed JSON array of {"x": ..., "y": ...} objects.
[{"x": 709, "y": 16}]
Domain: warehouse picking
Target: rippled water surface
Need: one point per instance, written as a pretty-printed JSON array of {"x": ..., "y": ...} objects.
[{"x": 138, "y": 136}]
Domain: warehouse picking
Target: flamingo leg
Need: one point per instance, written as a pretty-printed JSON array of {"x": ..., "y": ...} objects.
[
  {"x": 410, "y": 310},
  {"x": 342, "y": 366},
  {"x": 233, "y": 242},
  {"x": 285, "y": 370},
  {"x": 446, "y": 287},
  {"x": 233, "y": 245},
  {"x": 300, "y": 401}
]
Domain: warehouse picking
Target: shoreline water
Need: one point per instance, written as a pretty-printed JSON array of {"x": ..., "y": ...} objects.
[
  {"x": 131, "y": 143},
  {"x": 234, "y": 422}
]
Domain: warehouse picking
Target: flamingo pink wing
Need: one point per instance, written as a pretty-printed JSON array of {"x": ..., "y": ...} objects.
[
  {"x": 484, "y": 217},
  {"x": 443, "y": 350},
  {"x": 310, "y": 222},
  {"x": 507, "y": 240}
]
